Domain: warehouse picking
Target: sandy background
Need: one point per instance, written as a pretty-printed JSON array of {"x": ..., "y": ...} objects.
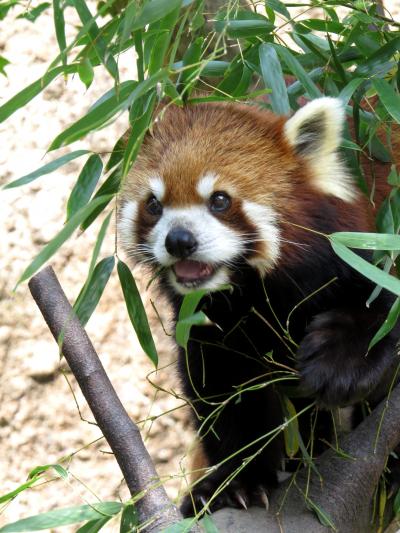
[{"x": 39, "y": 420}]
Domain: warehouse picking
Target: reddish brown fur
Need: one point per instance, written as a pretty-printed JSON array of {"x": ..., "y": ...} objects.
[{"x": 247, "y": 148}]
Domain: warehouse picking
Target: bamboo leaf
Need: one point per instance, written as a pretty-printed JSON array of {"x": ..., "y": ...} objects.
[
  {"x": 389, "y": 323},
  {"x": 86, "y": 72},
  {"x": 32, "y": 90},
  {"x": 59, "y": 25},
  {"x": 50, "y": 249},
  {"x": 96, "y": 38},
  {"x": 153, "y": 11},
  {"x": 97, "y": 116},
  {"x": 46, "y": 169},
  {"x": 347, "y": 92},
  {"x": 64, "y": 517},
  {"x": 389, "y": 98},
  {"x": 184, "y": 326},
  {"x": 273, "y": 77},
  {"x": 372, "y": 272},
  {"x": 367, "y": 241},
  {"x": 93, "y": 526},
  {"x": 291, "y": 430},
  {"x": 99, "y": 242},
  {"x": 298, "y": 71},
  {"x": 93, "y": 289},
  {"x": 136, "y": 311},
  {"x": 279, "y": 7},
  {"x": 85, "y": 185},
  {"x": 129, "y": 520},
  {"x": 107, "y": 190}
]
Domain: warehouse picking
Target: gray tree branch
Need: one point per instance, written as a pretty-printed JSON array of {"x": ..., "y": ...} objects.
[{"x": 154, "y": 507}]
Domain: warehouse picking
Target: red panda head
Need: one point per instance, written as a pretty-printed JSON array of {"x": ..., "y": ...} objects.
[{"x": 215, "y": 185}]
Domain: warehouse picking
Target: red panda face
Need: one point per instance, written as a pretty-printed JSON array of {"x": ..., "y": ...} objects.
[{"x": 213, "y": 184}]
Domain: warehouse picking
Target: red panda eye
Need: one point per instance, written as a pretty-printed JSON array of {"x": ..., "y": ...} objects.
[
  {"x": 153, "y": 206},
  {"x": 219, "y": 202}
]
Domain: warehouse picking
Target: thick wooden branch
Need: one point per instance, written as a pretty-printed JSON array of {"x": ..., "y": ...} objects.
[
  {"x": 344, "y": 490},
  {"x": 154, "y": 508}
]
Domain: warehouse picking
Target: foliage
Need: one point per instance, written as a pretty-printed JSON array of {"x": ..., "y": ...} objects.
[{"x": 234, "y": 54}]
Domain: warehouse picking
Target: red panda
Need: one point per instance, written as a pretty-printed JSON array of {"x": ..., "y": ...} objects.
[{"x": 227, "y": 193}]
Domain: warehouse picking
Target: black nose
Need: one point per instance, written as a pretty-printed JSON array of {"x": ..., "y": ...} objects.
[{"x": 180, "y": 243}]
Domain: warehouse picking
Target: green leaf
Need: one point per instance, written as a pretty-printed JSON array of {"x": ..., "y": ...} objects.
[
  {"x": 183, "y": 526},
  {"x": 108, "y": 189},
  {"x": 34, "y": 13},
  {"x": 59, "y": 25},
  {"x": 378, "y": 58},
  {"x": 93, "y": 526},
  {"x": 347, "y": 92},
  {"x": 389, "y": 98},
  {"x": 64, "y": 517},
  {"x": 99, "y": 242},
  {"x": 3, "y": 63},
  {"x": 389, "y": 323},
  {"x": 273, "y": 77},
  {"x": 396, "y": 503},
  {"x": 129, "y": 17},
  {"x": 208, "y": 524},
  {"x": 117, "y": 153},
  {"x": 367, "y": 241},
  {"x": 86, "y": 72},
  {"x": 291, "y": 430},
  {"x": 93, "y": 289},
  {"x": 322, "y": 515},
  {"x": 298, "y": 71},
  {"x": 140, "y": 116},
  {"x": 191, "y": 57},
  {"x": 27, "y": 94},
  {"x": 46, "y": 169},
  {"x": 279, "y": 7},
  {"x": 97, "y": 116},
  {"x": 85, "y": 185},
  {"x": 43, "y": 468},
  {"x": 372, "y": 272},
  {"x": 184, "y": 326},
  {"x": 153, "y": 11},
  {"x": 129, "y": 520},
  {"x": 50, "y": 249},
  {"x": 245, "y": 23},
  {"x": 97, "y": 40},
  {"x": 136, "y": 311},
  {"x": 6, "y": 6}
]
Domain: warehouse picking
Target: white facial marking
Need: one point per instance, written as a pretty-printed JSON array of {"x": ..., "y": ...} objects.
[
  {"x": 217, "y": 243},
  {"x": 127, "y": 222},
  {"x": 205, "y": 185},
  {"x": 264, "y": 218},
  {"x": 157, "y": 187}
]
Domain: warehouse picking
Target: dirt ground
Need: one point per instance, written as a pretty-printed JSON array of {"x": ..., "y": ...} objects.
[{"x": 39, "y": 419}]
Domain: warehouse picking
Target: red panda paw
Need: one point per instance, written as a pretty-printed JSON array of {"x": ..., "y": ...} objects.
[
  {"x": 205, "y": 497},
  {"x": 333, "y": 360}
]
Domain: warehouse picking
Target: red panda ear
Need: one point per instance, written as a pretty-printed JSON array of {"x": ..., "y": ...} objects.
[{"x": 315, "y": 132}]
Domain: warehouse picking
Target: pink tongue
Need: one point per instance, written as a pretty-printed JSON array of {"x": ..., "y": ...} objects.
[{"x": 191, "y": 270}]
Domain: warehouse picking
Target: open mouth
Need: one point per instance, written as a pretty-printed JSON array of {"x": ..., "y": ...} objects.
[{"x": 193, "y": 273}]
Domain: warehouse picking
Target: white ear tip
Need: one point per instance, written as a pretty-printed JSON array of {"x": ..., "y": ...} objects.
[{"x": 326, "y": 110}]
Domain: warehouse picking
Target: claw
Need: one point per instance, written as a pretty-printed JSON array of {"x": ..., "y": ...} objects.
[
  {"x": 204, "y": 504},
  {"x": 241, "y": 500},
  {"x": 264, "y": 498}
]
